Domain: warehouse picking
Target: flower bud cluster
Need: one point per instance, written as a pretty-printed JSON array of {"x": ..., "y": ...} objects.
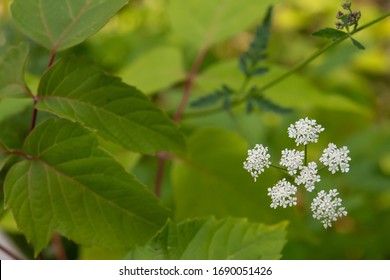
[
  {"x": 325, "y": 207},
  {"x": 347, "y": 19}
]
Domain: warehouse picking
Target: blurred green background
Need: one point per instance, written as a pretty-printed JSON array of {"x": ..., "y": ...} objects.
[{"x": 346, "y": 90}]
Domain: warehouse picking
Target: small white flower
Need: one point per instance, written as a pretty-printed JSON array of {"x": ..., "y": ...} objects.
[
  {"x": 336, "y": 159},
  {"x": 305, "y": 131},
  {"x": 308, "y": 176},
  {"x": 257, "y": 160},
  {"x": 283, "y": 194},
  {"x": 326, "y": 207},
  {"x": 292, "y": 159}
]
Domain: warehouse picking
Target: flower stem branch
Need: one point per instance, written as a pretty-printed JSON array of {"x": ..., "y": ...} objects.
[
  {"x": 278, "y": 167},
  {"x": 293, "y": 70}
]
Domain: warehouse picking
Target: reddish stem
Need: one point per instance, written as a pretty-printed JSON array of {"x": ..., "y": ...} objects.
[
  {"x": 35, "y": 111},
  {"x": 52, "y": 56},
  {"x": 58, "y": 247},
  {"x": 35, "y": 114},
  {"x": 159, "y": 176},
  {"x": 22, "y": 154},
  {"x": 188, "y": 86},
  {"x": 162, "y": 156}
]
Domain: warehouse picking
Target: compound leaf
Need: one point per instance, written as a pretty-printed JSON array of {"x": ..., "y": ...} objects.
[
  {"x": 79, "y": 91},
  {"x": 67, "y": 184},
  {"x": 211, "y": 239},
  {"x": 61, "y": 24}
]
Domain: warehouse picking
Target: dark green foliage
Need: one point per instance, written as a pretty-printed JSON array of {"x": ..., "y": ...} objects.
[
  {"x": 14, "y": 129},
  {"x": 265, "y": 104},
  {"x": 357, "y": 44},
  {"x": 256, "y": 52},
  {"x": 330, "y": 33},
  {"x": 223, "y": 94}
]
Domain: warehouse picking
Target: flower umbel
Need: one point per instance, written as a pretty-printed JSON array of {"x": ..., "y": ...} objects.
[
  {"x": 283, "y": 194},
  {"x": 326, "y": 207},
  {"x": 305, "y": 131},
  {"x": 257, "y": 160},
  {"x": 292, "y": 159},
  {"x": 336, "y": 159},
  {"x": 308, "y": 176}
]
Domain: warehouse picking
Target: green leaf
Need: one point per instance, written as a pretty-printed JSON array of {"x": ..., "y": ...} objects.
[
  {"x": 256, "y": 52},
  {"x": 221, "y": 94},
  {"x": 58, "y": 25},
  {"x": 71, "y": 186},
  {"x": 14, "y": 129},
  {"x": 163, "y": 65},
  {"x": 212, "y": 180},
  {"x": 267, "y": 105},
  {"x": 204, "y": 23},
  {"x": 211, "y": 239},
  {"x": 12, "y": 65},
  {"x": 79, "y": 91},
  {"x": 4, "y": 158},
  {"x": 11, "y": 106},
  {"x": 357, "y": 44},
  {"x": 330, "y": 33}
]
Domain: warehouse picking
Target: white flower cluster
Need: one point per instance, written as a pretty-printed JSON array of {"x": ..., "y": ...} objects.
[
  {"x": 292, "y": 159},
  {"x": 305, "y": 131},
  {"x": 336, "y": 159},
  {"x": 308, "y": 176},
  {"x": 326, "y": 207},
  {"x": 257, "y": 160},
  {"x": 283, "y": 194}
]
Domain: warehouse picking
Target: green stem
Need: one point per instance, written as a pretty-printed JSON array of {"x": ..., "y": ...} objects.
[
  {"x": 295, "y": 69},
  {"x": 244, "y": 84},
  {"x": 306, "y": 155},
  {"x": 278, "y": 167}
]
